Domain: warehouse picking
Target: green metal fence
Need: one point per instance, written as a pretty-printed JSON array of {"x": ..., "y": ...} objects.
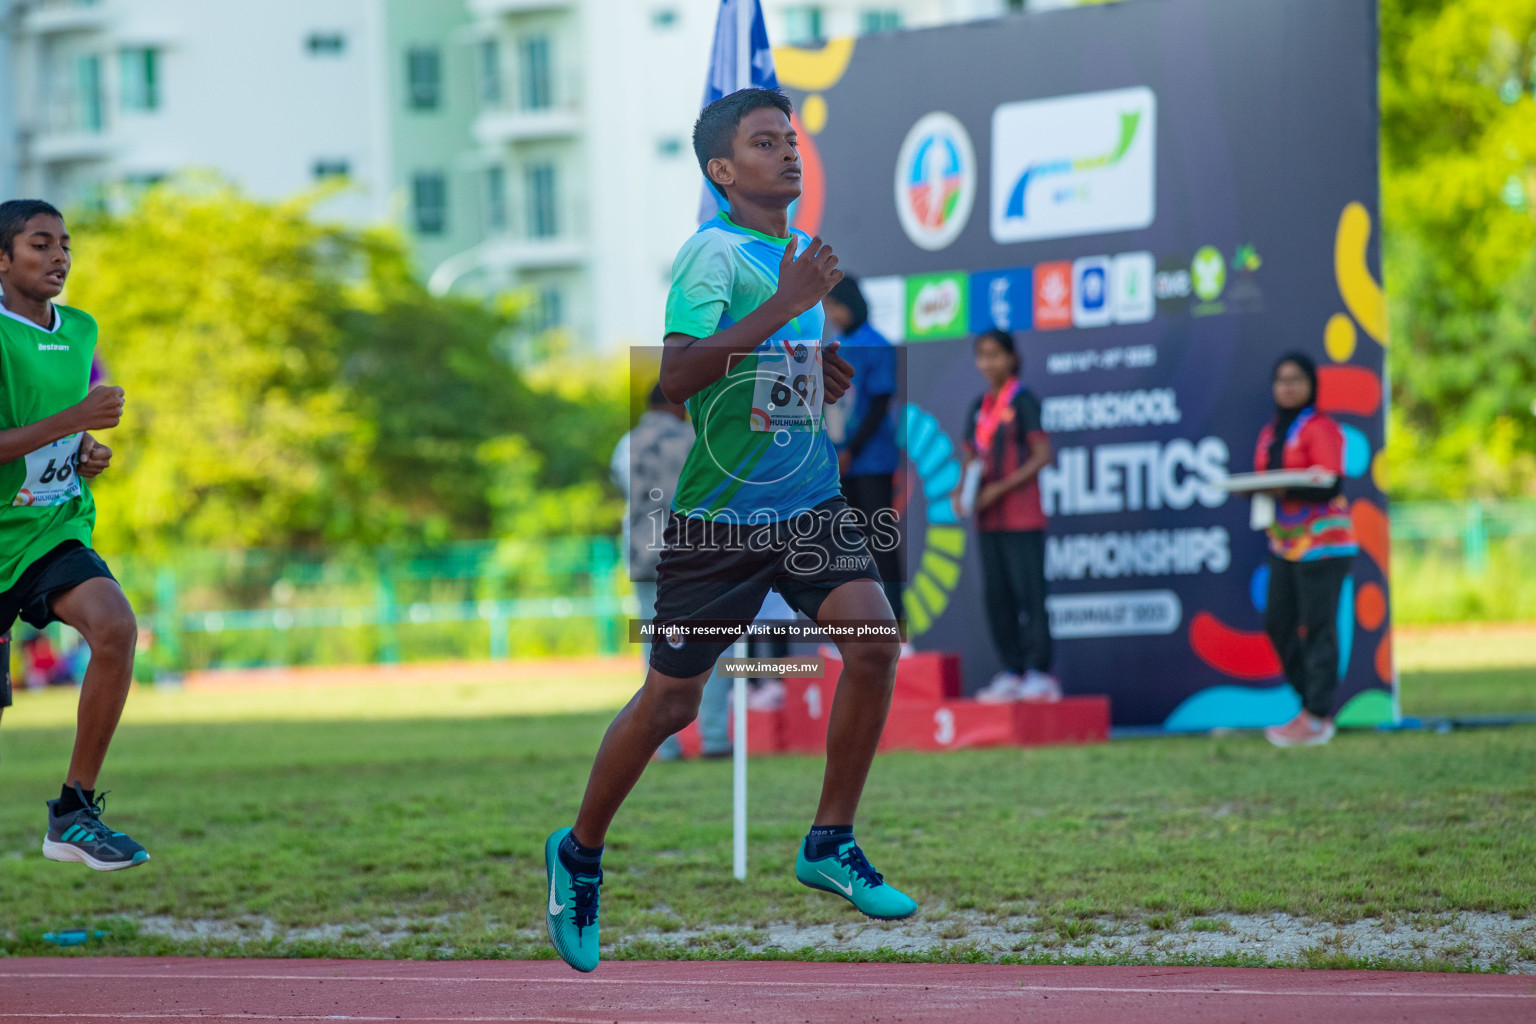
[
  {"x": 511, "y": 598},
  {"x": 494, "y": 599},
  {"x": 1473, "y": 526}
]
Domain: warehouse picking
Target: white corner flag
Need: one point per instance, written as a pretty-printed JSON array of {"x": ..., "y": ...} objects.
[{"x": 740, "y": 58}]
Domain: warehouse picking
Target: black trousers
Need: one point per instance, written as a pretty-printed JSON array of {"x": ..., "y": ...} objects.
[
  {"x": 870, "y": 494},
  {"x": 1013, "y": 581},
  {"x": 1301, "y": 618}
]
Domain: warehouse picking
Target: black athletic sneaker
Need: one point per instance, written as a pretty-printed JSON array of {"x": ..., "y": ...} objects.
[{"x": 81, "y": 836}]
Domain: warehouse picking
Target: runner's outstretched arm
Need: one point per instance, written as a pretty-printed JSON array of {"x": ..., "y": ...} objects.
[
  {"x": 99, "y": 410},
  {"x": 689, "y": 364}
]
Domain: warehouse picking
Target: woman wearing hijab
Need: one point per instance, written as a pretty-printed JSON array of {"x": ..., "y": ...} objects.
[{"x": 1311, "y": 545}]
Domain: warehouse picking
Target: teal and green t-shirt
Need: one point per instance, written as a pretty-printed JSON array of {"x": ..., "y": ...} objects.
[
  {"x": 762, "y": 453},
  {"x": 43, "y": 502}
]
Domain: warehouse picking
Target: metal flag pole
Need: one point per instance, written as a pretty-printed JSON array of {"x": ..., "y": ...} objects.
[{"x": 739, "y": 770}]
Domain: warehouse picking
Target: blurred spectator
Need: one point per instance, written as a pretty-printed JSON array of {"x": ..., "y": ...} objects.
[
  {"x": 862, "y": 423},
  {"x": 42, "y": 664},
  {"x": 645, "y": 466},
  {"x": 1311, "y": 545},
  {"x": 1005, "y": 449}
]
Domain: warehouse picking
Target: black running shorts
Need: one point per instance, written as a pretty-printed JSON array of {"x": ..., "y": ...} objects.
[
  {"x": 720, "y": 573},
  {"x": 65, "y": 567}
]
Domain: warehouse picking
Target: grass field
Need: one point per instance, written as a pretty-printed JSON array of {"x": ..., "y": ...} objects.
[{"x": 407, "y": 820}]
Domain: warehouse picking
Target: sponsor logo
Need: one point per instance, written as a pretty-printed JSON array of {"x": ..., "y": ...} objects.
[
  {"x": 1243, "y": 292},
  {"x": 887, "y": 299},
  {"x": 1053, "y": 296},
  {"x": 1208, "y": 272},
  {"x": 45, "y": 347},
  {"x": 800, "y": 353},
  {"x": 1003, "y": 299},
  {"x": 846, "y": 890},
  {"x": 936, "y": 306},
  {"x": 1173, "y": 284},
  {"x": 935, "y": 181},
  {"x": 556, "y": 908},
  {"x": 1074, "y": 165},
  {"x": 1090, "y": 292},
  {"x": 1131, "y": 277}
]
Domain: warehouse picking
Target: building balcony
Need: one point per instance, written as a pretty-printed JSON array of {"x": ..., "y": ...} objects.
[
  {"x": 493, "y": 8},
  {"x": 502, "y": 125},
  {"x": 534, "y": 253},
  {"x": 51, "y": 17},
  {"x": 69, "y": 146},
  {"x": 509, "y": 254}
]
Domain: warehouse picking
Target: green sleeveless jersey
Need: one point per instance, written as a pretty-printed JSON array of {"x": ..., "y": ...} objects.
[{"x": 43, "y": 502}]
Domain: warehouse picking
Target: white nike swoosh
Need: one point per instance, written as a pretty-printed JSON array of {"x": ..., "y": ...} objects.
[
  {"x": 555, "y": 909},
  {"x": 846, "y": 890}
]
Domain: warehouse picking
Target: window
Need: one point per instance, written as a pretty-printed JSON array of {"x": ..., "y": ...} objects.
[
  {"x": 141, "y": 77},
  {"x": 496, "y": 197},
  {"x": 879, "y": 21},
  {"x": 326, "y": 44},
  {"x": 802, "y": 25},
  {"x": 331, "y": 167},
  {"x": 429, "y": 202},
  {"x": 490, "y": 72},
  {"x": 551, "y": 312},
  {"x": 537, "y": 75},
  {"x": 91, "y": 117},
  {"x": 424, "y": 77},
  {"x": 542, "y": 219}
]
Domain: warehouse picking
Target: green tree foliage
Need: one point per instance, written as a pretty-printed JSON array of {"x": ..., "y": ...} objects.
[
  {"x": 1459, "y": 192},
  {"x": 292, "y": 383}
]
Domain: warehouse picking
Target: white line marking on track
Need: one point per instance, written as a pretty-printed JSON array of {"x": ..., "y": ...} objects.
[
  {"x": 969, "y": 987},
  {"x": 195, "y": 1015}
]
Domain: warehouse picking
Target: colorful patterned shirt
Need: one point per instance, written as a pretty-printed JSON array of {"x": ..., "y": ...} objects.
[
  {"x": 1306, "y": 530},
  {"x": 762, "y": 453}
]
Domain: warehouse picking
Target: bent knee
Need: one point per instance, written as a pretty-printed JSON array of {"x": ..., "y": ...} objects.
[
  {"x": 877, "y": 659},
  {"x": 674, "y": 707},
  {"x": 114, "y": 634}
]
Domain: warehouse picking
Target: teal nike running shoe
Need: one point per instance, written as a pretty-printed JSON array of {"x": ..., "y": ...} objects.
[
  {"x": 572, "y": 912},
  {"x": 848, "y": 874}
]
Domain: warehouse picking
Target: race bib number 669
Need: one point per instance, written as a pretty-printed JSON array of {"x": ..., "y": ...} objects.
[{"x": 52, "y": 477}]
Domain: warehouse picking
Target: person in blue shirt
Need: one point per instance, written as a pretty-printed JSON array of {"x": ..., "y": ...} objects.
[{"x": 865, "y": 433}]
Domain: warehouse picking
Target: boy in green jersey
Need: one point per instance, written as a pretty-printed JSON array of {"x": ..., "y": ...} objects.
[
  {"x": 48, "y": 571},
  {"x": 758, "y": 506}
]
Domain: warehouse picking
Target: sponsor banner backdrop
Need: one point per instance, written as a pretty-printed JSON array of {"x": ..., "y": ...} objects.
[{"x": 1158, "y": 199}]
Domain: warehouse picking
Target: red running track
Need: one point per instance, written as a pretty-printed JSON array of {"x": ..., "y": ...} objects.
[{"x": 629, "y": 992}]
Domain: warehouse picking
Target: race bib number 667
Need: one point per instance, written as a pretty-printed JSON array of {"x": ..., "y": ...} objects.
[{"x": 51, "y": 474}]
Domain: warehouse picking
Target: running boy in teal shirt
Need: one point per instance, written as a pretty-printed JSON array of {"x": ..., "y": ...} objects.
[
  {"x": 758, "y": 506},
  {"x": 48, "y": 571}
]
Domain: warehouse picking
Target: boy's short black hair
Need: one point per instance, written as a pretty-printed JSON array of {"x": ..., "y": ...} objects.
[
  {"x": 14, "y": 214},
  {"x": 715, "y": 129}
]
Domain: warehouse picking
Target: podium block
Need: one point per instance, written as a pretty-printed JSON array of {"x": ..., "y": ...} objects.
[
  {"x": 762, "y": 735},
  {"x": 807, "y": 705},
  {"x": 947, "y": 725},
  {"x": 927, "y": 676},
  {"x": 1069, "y": 720}
]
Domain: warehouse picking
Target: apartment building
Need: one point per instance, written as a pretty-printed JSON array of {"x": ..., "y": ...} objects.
[
  {"x": 108, "y": 96},
  {"x": 584, "y": 150}
]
